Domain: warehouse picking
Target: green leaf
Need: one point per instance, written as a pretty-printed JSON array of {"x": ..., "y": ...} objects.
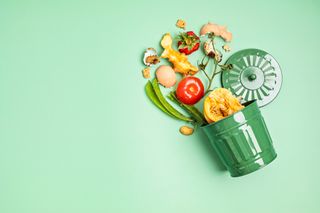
[{"x": 182, "y": 46}]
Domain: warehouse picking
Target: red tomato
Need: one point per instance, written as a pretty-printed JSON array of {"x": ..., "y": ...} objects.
[{"x": 190, "y": 90}]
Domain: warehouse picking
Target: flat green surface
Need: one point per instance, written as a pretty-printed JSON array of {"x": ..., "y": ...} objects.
[{"x": 78, "y": 134}]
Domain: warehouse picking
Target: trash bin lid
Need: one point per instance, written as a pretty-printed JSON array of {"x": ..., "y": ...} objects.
[{"x": 255, "y": 75}]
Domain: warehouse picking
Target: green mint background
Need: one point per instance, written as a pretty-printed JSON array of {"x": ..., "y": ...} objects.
[{"x": 78, "y": 134}]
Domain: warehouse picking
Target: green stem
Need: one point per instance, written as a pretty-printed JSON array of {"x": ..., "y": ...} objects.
[
  {"x": 218, "y": 72},
  {"x": 190, "y": 109},
  {"x": 214, "y": 73},
  {"x": 206, "y": 74},
  {"x": 203, "y": 66}
]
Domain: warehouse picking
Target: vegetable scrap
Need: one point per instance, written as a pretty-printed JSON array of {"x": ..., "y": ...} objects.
[
  {"x": 180, "y": 102},
  {"x": 217, "y": 30},
  {"x": 146, "y": 72},
  {"x": 219, "y": 104},
  {"x": 179, "y": 60},
  {"x": 190, "y": 90},
  {"x": 226, "y": 48},
  {"x": 181, "y": 24},
  {"x": 209, "y": 49},
  {"x": 188, "y": 42},
  {"x": 155, "y": 95},
  {"x": 186, "y": 130}
]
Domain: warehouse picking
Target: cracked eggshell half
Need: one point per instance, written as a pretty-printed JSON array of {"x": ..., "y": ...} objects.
[
  {"x": 166, "y": 76},
  {"x": 150, "y": 57}
]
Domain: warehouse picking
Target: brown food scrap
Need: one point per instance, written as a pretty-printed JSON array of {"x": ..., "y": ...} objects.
[
  {"x": 218, "y": 56},
  {"x": 186, "y": 130},
  {"x": 208, "y": 48},
  {"x": 226, "y": 48},
  {"x": 181, "y": 24},
  {"x": 152, "y": 59},
  {"x": 146, "y": 72}
]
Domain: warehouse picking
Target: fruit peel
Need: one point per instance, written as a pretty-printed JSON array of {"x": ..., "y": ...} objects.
[
  {"x": 179, "y": 60},
  {"x": 220, "y": 103}
]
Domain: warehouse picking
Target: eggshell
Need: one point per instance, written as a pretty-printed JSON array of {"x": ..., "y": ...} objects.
[
  {"x": 166, "y": 76},
  {"x": 149, "y": 53}
]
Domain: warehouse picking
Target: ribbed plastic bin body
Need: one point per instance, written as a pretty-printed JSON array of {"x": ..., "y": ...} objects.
[{"x": 242, "y": 141}]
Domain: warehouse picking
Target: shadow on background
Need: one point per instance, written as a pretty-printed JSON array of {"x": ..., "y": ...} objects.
[{"x": 209, "y": 151}]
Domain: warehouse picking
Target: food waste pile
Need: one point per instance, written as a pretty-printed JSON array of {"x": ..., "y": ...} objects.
[{"x": 185, "y": 93}]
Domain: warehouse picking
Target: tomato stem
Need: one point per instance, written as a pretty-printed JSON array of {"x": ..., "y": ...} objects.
[
  {"x": 202, "y": 66},
  {"x": 216, "y": 59},
  {"x": 214, "y": 73}
]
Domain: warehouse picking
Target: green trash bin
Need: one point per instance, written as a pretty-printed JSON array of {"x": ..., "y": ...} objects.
[{"x": 242, "y": 140}]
